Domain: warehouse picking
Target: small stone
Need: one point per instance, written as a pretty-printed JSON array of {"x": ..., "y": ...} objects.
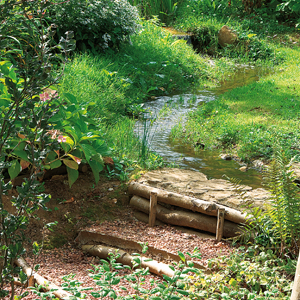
[
  {"x": 226, "y": 156},
  {"x": 110, "y": 189},
  {"x": 258, "y": 164},
  {"x": 243, "y": 169}
]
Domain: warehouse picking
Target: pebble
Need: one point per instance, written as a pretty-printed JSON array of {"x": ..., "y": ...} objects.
[
  {"x": 226, "y": 156},
  {"x": 243, "y": 169}
]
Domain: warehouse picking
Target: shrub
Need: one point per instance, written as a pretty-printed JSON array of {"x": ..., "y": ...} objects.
[
  {"x": 25, "y": 69},
  {"x": 96, "y": 24}
]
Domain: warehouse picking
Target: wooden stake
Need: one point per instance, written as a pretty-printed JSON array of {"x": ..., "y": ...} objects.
[
  {"x": 153, "y": 205},
  {"x": 220, "y": 224}
]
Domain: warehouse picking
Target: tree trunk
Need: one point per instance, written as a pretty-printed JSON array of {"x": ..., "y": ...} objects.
[
  {"x": 187, "y": 219},
  {"x": 194, "y": 204}
]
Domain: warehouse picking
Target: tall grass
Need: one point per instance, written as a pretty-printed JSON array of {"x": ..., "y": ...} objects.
[
  {"x": 155, "y": 64},
  {"x": 164, "y": 9}
]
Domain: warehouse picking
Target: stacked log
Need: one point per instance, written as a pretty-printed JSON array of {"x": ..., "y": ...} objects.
[{"x": 202, "y": 216}]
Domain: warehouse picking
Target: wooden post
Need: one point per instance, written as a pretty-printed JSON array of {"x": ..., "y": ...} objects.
[
  {"x": 152, "y": 213},
  {"x": 296, "y": 287},
  {"x": 220, "y": 224}
]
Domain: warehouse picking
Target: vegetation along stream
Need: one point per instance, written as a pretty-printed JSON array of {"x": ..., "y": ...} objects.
[{"x": 165, "y": 112}]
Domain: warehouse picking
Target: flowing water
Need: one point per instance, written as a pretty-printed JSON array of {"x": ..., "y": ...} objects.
[{"x": 166, "y": 111}]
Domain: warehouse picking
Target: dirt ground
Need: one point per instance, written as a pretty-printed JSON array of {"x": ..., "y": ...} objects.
[
  {"x": 83, "y": 204},
  {"x": 104, "y": 206}
]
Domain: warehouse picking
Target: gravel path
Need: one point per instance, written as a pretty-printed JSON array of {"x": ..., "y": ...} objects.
[{"x": 69, "y": 260}]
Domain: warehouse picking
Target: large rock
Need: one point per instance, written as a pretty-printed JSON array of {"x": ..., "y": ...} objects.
[
  {"x": 196, "y": 184},
  {"x": 226, "y": 36}
]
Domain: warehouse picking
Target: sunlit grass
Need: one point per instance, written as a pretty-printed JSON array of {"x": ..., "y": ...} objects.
[{"x": 250, "y": 120}]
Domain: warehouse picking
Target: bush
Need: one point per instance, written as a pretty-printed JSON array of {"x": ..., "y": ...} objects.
[{"x": 96, "y": 24}]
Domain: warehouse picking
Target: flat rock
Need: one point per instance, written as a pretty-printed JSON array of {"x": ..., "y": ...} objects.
[{"x": 196, "y": 184}]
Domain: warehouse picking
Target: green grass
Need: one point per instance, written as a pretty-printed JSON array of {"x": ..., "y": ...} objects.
[
  {"x": 249, "y": 120},
  {"x": 114, "y": 84},
  {"x": 259, "y": 34}
]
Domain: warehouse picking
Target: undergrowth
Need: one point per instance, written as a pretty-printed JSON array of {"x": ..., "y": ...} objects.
[{"x": 247, "y": 273}]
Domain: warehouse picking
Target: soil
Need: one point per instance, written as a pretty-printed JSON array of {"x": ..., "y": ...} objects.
[{"x": 104, "y": 207}]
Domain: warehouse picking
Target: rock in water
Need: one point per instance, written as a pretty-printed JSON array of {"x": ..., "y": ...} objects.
[
  {"x": 226, "y": 36},
  {"x": 243, "y": 169},
  {"x": 226, "y": 156}
]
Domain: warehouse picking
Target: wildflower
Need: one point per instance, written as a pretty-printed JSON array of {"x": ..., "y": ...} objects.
[
  {"x": 61, "y": 139},
  {"x": 44, "y": 97}
]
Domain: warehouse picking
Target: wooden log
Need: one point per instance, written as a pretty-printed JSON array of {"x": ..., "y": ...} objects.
[
  {"x": 59, "y": 293},
  {"x": 153, "y": 205},
  {"x": 183, "y": 218},
  {"x": 154, "y": 266},
  {"x": 194, "y": 204},
  {"x": 220, "y": 224},
  {"x": 89, "y": 237},
  {"x": 145, "y": 218}
]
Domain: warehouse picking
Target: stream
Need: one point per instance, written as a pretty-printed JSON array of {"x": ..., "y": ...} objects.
[{"x": 167, "y": 111}]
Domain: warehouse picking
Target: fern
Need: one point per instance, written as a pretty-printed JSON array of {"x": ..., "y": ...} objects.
[
  {"x": 285, "y": 208},
  {"x": 278, "y": 226}
]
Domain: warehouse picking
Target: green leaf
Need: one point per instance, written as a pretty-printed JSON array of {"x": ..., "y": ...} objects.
[
  {"x": 98, "y": 158},
  {"x": 82, "y": 124},
  {"x": 74, "y": 132},
  {"x": 51, "y": 156},
  {"x": 115, "y": 281},
  {"x": 95, "y": 294},
  {"x": 167, "y": 278},
  {"x": 101, "y": 147},
  {"x": 21, "y": 154},
  {"x": 96, "y": 169},
  {"x": 71, "y": 164},
  {"x": 72, "y": 175},
  {"x": 182, "y": 292},
  {"x": 181, "y": 255},
  {"x": 90, "y": 136},
  {"x": 5, "y": 102},
  {"x": 56, "y": 118},
  {"x": 55, "y": 164},
  {"x": 190, "y": 263},
  {"x": 14, "y": 169},
  {"x": 233, "y": 282},
  {"x": 88, "y": 151},
  {"x": 70, "y": 97}
]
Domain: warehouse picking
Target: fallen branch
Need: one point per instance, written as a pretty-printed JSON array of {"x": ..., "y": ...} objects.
[
  {"x": 191, "y": 203},
  {"x": 36, "y": 278},
  {"x": 126, "y": 259},
  {"x": 187, "y": 219}
]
